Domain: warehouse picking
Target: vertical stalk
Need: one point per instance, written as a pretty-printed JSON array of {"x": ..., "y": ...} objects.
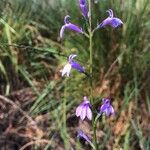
[
  {"x": 64, "y": 104},
  {"x": 91, "y": 52},
  {"x": 91, "y": 71},
  {"x": 64, "y": 128}
]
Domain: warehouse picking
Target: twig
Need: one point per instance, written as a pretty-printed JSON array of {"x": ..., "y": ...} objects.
[
  {"x": 33, "y": 48},
  {"x": 16, "y": 106},
  {"x": 110, "y": 68},
  {"x": 35, "y": 142}
]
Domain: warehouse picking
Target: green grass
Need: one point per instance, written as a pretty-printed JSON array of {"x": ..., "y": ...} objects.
[{"x": 36, "y": 24}]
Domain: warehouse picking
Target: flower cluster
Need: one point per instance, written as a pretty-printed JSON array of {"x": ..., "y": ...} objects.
[
  {"x": 85, "y": 109},
  {"x": 109, "y": 21}
]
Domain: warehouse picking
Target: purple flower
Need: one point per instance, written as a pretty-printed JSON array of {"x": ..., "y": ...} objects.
[
  {"x": 82, "y": 135},
  {"x": 72, "y": 64},
  {"x": 84, "y": 110},
  {"x": 112, "y": 21},
  {"x": 84, "y": 8},
  {"x": 106, "y": 107},
  {"x": 69, "y": 26}
]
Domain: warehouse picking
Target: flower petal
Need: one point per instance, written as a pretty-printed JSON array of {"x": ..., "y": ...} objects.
[
  {"x": 112, "y": 110},
  {"x": 83, "y": 113},
  {"x": 89, "y": 113},
  {"x": 115, "y": 22},
  {"x": 66, "y": 19},
  {"x": 71, "y": 57},
  {"x": 105, "y": 22},
  {"x": 111, "y": 14},
  {"x": 62, "y": 31},
  {"x": 78, "y": 110},
  {"x": 107, "y": 112},
  {"x": 77, "y": 66},
  {"x": 103, "y": 108},
  {"x": 66, "y": 70},
  {"x": 82, "y": 135},
  {"x": 74, "y": 27}
]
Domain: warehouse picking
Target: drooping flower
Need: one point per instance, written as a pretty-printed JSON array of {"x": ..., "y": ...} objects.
[
  {"x": 82, "y": 135},
  {"x": 106, "y": 107},
  {"x": 72, "y": 64},
  {"x": 111, "y": 21},
  {"x": 69, "y": 26},
  {"x": 84, "y": 8},
  {"x": 84, "y": 110}
]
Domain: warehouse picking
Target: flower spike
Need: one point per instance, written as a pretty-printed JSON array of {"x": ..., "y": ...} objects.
[
  {"x": 69, "y": 26},
  {"x": 72, "y": 64},
  {"x": 111, "y": 21}
]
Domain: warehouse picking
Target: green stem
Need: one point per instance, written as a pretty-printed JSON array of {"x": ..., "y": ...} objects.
[
  {"x": 91, "y": 53},
  {"x": 91, "y": 71},
  {"x": 64, "y": 104}
]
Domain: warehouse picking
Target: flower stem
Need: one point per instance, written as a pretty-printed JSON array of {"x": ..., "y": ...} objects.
[{"x": 91, "y": 71}]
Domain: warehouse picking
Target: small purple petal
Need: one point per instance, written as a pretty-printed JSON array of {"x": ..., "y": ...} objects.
[
  {"x": 89, "y": 113},
  {"x": 83, "y": 113},
  {"x": 78, "y": 111},
  {"x": 66, "y": 19},
  {"x": 103, "y": 107},
  {"x": 105, "y": 22},
  {"x": 82, "y": 135},
  {"x": 107, "y": 112},
  {"x": 77, "y": 66},
  {"x": 111, "y": 14},
  {"x": 115, "y": 22},
  {"x": 74, "y": 27},
  {"x": 112, "y": 110}
]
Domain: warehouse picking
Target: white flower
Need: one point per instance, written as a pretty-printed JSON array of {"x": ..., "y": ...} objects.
[{"x": 66, "y": 70}]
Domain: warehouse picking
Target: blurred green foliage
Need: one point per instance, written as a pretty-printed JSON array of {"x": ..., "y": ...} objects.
[{"x": 36, "y": 25}]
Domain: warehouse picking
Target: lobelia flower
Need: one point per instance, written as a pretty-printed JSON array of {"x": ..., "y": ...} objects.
[
  {"x": 106, "y": 107},
  {"x": 84, "y": 8},
  {"x": 112, "y": 21},
  {"x": 69, "y": 26},
  {"x": 82, "y": 135},
  {"x": 72, "y": 64},
  {"x": 84, "y": 110}
]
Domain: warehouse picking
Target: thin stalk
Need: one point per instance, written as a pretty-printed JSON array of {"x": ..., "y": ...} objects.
[
  {"x": 64, "y": 104},
  {"x": 91, "y": 53},
  {"x": 91, "y": 70},
  {"x": 64, "y": 129}
]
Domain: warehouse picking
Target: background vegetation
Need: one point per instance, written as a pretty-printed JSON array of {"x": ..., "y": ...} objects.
[{"x": 33, "y": 94}]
